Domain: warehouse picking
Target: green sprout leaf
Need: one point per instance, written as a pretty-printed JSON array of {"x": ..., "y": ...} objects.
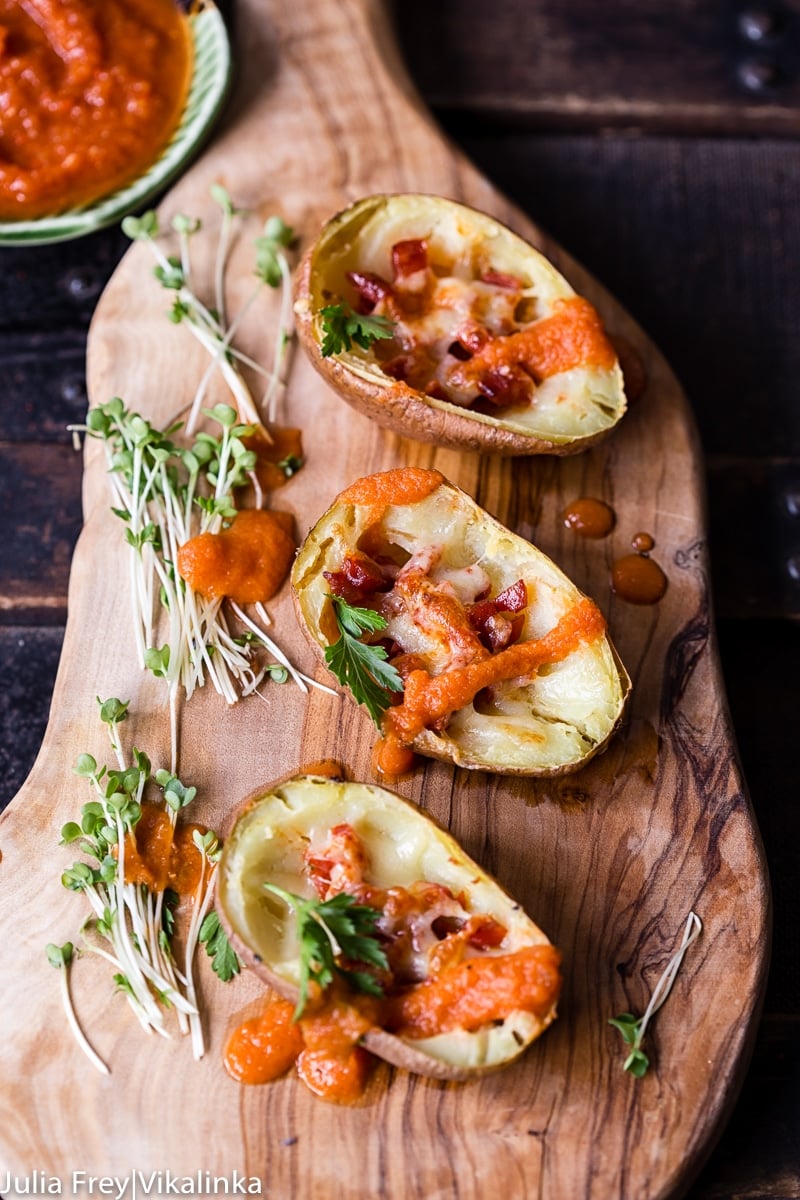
[
  {"x": 171, "y": 275},
  {"x": 59, "y": 956},
  {"x": 113, "y": 711},
  {"x": 157, "y": 661},
  {"x": 628, "y": 1026},
  {"x": 86, "y": 766},
  {"x": 186, "y": 225},
  {"x": 139, "y": 229},
  {"x": 221, "y": 196}
]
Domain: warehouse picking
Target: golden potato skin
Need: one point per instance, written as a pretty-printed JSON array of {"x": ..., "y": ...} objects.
[
  {"x": 298, "y": 802},
  {"x": 395, "y": 405},
  {"x": 336, "y": 533}
]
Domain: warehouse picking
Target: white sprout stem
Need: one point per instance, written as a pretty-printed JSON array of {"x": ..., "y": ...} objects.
[
  {"x": 299, "y": 677},
  {"x": 203, "y": 897},
  {"x": 160, "y": 257},
  {"x": 219, "y": 352},
  {"x": 285, "y": 329},
  {"x": 173, "y": 729},
  {"x": 147, "y": 955},
  {"x": 142, "y": 1016},
  {"x": 220, "y": 262},
  {"x": 271, "y": 646},
  {"x": 80, "y": 1036},
  {"x": 262, "y": 614},
  {"x": 210, "y": 331},
  {"x": 692, "y": 931},
  {"x": 131, "y": 960},
  {"x": 257, "y": 489},
  {"x": 199, "y": 395},
  {"x": 223, "y": 484},
  {"x": 118, "y": 751},
  {"x": 186, "y": 262},
  {"x": 245, "y": 405},
  {"x": 166, "y": 963},
  {"x": 233, "y": 328}
]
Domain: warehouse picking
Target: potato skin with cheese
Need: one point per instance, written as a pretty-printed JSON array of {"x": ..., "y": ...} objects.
[
  {"x": 545, "y": 725},
  {"x": 571, "y": 411},
  {"x": 267, "y": 843}
]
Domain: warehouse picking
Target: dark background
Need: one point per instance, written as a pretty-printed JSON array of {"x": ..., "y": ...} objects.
[{"x": 658, "y": 143}]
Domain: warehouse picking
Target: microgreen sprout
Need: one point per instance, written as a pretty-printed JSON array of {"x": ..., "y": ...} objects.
[
  {"x": 165, "y": 494},
  {"x": 209, "y": 325},
  {"x": 633, "y": 1028},
  {"x": 131, "y": 926},
  {"x": 61, "y": 957}
]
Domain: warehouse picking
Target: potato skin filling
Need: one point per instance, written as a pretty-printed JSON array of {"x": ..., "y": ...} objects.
[{"x": 449, "y": 969}]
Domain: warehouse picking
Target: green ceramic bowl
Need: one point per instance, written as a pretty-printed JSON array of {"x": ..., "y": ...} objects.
[{"x": 211, "y": 76}]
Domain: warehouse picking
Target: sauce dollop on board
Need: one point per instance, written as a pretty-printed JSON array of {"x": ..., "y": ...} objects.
[
  {"x": 635, "y": 577},
  {"x": 92, "y": 92},
  {"x": 247, "y": 562},
  {"x": 589, "y": 518}
]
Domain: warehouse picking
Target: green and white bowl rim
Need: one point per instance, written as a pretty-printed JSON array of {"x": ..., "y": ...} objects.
[{"x": 211, "y": 76}]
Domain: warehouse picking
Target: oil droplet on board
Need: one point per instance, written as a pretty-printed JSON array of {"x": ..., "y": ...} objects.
[{"x": 589, "y": 518}]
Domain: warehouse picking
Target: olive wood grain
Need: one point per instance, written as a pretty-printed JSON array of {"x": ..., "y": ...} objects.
[{"x": 608, "y": 861}]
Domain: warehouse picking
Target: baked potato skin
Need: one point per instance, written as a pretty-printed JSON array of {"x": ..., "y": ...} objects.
[
  {"x": 395, "y": 405},
  {"x": 337, "y": 532},
  {"x": 249, "y": 857}
]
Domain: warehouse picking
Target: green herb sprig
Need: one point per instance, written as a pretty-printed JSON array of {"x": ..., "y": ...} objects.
[
  {"x": 633, "y": 1028},
  {"x": 342, "y": 327},
  {"x": 330, "y": 930},
  {"x": 362, "y": 667},
  {"x": 224, "y": 959}
]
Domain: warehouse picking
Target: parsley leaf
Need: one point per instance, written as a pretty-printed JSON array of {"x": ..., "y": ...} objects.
[
  {"x": 342, "y": 327},
  {"x": 332, "y": 929},
  {"x": 359, "y": 666},
  {"x": 224, "y": 961}
]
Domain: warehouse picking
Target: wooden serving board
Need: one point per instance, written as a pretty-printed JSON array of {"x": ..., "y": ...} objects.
[{"x": 609, "y": 861}]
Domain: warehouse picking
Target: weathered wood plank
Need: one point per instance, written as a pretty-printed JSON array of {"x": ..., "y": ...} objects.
[
  {"x": 40, "y": 505},
  {"x": 754, "y": 511},
  {"x": 696, "y": 239},
  {"x": 685, "y": 66},
  {"x": 43, "y": 380},
  {"x": 28, "y": 662},
  {"x": 43, "y": 287}
]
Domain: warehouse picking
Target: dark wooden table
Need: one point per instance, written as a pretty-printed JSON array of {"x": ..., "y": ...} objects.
[{"x": 659, "y": 144}]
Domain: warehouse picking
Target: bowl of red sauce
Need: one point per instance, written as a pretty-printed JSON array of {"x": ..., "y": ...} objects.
[{"x": 104, "y": 102}]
